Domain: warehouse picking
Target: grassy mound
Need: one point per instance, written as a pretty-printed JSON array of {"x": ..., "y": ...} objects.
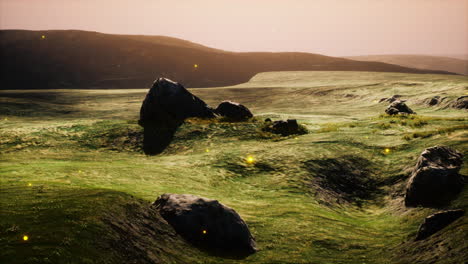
[{"x": 76, "y": 225}]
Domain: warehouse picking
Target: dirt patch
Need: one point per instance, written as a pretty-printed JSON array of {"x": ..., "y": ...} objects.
[{"x": 342, "y": 179}]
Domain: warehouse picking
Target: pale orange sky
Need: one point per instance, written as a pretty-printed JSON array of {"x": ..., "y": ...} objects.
[{"x": 330, "y": 27}]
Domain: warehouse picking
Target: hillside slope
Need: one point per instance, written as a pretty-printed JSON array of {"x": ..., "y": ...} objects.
[
  {"x": 80, "y": 59},
  {"x": 455, "y": 65}
]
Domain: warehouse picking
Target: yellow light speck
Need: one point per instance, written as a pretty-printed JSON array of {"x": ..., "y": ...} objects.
[
  {"x": 387, "y": 150},
  {"x": 204, "y": 232},
  {"x": 25, "y": 238},
  {"x": 29, "y": 184},
  {"x": 207, "y": 150},
  {"x": 195, "y": 65},
  {"x": 295, "y": 138},
  {"x": 43, "y": 37},
  {"x": 250, "y": 159}
]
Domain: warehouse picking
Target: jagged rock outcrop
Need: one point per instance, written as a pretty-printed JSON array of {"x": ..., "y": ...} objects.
[
  {"x": 437, "y": 222},
  {"x": 166, "y": 106},
  {"x": 390, "y": 99},
  {"x": 435, "y": 179},
  {"x": 398, "y": 107},
  {"x": 207, "y": 224}
]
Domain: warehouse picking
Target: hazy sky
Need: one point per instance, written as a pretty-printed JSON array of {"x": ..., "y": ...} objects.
[{"x": 331, "y": 27}]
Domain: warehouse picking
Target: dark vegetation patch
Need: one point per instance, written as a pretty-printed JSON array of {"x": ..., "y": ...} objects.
[
  {"x": 33, "y": 104},
  {"x": 346, "y": 178},
  {"x": 245, "y": 130},
  {"x": 127, "y": 136},
  {"x": 414, "y": 121},
  {"x": 108, "y": 135},
  {"x": 196, "y": 132},
  {"x": 430, "y": 133},
  {"x": 30, "y": 109},
  {"x": 111, "y": 136}
]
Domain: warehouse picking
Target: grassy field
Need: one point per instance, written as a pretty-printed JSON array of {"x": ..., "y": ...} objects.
[{"x": 72, "y": 171}]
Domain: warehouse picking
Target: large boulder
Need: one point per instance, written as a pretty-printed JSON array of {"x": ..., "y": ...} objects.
[
  {"x": 435, "y": 179},
  {"x": 461, "y": 102},
  {"x": 398, "y": 107},
  {"x": 437, "y": 222},
  {"x": 207, "y": 224},
  {"x": 167, "y": 104},
  {"x": 233, "y": 111}
]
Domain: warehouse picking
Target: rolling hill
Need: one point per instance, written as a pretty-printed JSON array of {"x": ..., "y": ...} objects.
[
  {"x": 456, "y": 65},
  {"x": 73, "y": 176},
  {"x": 81, "y": 59}
]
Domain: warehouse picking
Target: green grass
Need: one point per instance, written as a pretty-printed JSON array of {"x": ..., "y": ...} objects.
[{"x": 88, "y": 161}]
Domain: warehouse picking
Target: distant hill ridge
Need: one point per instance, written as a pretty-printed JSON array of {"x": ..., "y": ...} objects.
[
  {"x": 442, "y": 63},
  {"x": 83, "y": 59}
]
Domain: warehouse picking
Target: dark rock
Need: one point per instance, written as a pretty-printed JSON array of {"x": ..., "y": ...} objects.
[
  {"x": 234, "y": 111},
  {"x": 461, "y": 102},
  {"x": 285, "y": 128},
  {"x": 434, "y": 101},
  {"x": 390, "y": 99},
  {"x": 435, "y": 179},
  {"x": 166, "y": 106},
  {"x": 268, "y": 120},
  {"x": 207, "y": 224},
  {"x": 437, "y": 222},
  {"x": 398, "y": 107}
]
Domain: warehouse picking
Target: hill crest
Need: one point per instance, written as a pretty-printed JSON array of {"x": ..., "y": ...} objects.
[{"x": 84, "y": 59}]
